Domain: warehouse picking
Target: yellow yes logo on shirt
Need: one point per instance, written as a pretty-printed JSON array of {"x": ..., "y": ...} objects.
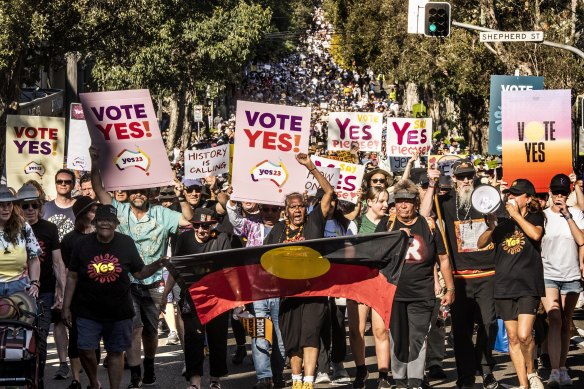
[
  {"x": 104, "y": 268},
  {"x": 514, "y": 243}
]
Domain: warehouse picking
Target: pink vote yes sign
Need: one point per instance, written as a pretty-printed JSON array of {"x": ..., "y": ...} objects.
[{"x": 123, "y": 126}]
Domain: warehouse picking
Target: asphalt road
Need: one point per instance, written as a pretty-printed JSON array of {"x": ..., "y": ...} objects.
[{"x": 169, "y": 363}]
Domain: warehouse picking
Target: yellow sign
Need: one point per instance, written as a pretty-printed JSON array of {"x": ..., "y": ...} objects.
[{"x": 34, "y": 150}]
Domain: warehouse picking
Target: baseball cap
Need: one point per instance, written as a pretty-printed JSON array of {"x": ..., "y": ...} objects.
[
  {"x": 106, "y": 211},
  {"x": 521, "y": 186},
  {"x": 82, "y": 205},
  {"x": 560, "y": 183},
  {"x": 203, "y": 216},
  {"x": 462, "y": 167}
]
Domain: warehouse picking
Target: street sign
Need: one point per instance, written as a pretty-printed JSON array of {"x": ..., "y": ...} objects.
[
  {"x": 198, "y": 113},
  {"x": 511, "y": 36}
]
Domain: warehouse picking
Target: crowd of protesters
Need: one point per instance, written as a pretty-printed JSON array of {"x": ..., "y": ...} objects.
[{"x": 93, "y": 259}]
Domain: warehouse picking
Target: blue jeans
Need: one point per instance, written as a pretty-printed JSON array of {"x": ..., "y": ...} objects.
[
  {"x": 267, "y": 365},
  {"x": 9, "y": 288}
]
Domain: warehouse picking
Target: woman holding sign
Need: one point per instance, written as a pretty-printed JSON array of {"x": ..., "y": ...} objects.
[{"x": 519, "y": 283}]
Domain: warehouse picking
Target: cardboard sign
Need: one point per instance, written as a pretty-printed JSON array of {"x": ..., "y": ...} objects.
[
  {"x": 213, "y": 161},
  {"x": 350, "y": 177},
  {"x": 123, "y": 126},
  {"x": 34, "y": 150},
  {"x": 331, "y": 174},
  {"x": 443, "y": 162},
  {"x": 363, "y": 128},
  {"x": 267, "y": 139},
  {"x": 537, "y": 136},
  {"x": 408, "y": 135},
  {"x": 498, "y": 85},
  {"x": 397, "y": 164},
  {"x": 78, "y": 141}
]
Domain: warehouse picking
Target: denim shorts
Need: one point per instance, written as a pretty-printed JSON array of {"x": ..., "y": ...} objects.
[
  {"x": 11, "y": 287},
  {"x": 564, "y": 287},
  {"x": 117, "y": 335}
]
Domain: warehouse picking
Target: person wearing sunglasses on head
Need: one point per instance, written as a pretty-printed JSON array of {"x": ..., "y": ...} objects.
[
  {"x": 52, "y": 275},
  {"x": 150, "y": 226},
  {"x": 519, "y": 283},
  {"x": 562, "y": 272},
  {"x": 473, "y": 269},
  {"x": 202, "y": 238}
]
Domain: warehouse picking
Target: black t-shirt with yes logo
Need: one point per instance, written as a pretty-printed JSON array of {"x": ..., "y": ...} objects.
[
  {"x": 519, "y": 269},
  {"x": 103, "y": 286}
]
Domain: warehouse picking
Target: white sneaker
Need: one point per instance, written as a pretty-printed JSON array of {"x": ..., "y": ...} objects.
[
  {"x": 534, "y": 381},
  {"x": 554, "y": 380},
  {"x": 322, "y": 378},
  {"x": 565, "y": 379},
  {"x": 580, "y": 302},
  {"x": 340, "y": 375}
]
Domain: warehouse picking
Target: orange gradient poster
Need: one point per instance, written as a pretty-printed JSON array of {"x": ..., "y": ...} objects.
[{"x": 537, "y": 135}]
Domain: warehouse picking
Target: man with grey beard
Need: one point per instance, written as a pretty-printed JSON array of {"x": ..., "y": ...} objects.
[{"x": 473, "y": 276}]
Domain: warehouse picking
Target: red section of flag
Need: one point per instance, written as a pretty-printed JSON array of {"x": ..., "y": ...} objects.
[{"x": 228, "y": 288}]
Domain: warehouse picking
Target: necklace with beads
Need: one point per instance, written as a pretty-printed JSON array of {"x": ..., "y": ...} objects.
[
  {"x": 293, "y": 236},
  {"x": 465, "y": 216}
]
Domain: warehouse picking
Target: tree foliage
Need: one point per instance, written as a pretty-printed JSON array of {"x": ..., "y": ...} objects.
[
  {"x": 175, "y": 48},
  {"x": 374, "y": 34}
]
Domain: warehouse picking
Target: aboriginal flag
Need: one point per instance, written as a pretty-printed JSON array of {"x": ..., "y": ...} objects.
[{"x": 364, "y": 268}]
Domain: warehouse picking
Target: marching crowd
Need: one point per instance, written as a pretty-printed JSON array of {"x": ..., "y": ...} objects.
[{"x": 94, "y": 261}]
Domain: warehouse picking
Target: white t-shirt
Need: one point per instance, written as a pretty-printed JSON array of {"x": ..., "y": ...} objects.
[{"x": 559, "y": 251}]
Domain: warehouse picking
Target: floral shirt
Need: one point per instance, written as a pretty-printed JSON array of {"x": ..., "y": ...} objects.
[{"x": 13, "y": 258}]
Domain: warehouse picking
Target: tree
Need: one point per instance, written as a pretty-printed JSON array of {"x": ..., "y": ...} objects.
[{"x": 458, "y": 68}]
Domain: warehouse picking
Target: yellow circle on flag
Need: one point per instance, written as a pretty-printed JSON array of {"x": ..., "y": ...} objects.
[
  {"x": 534, "y": 131},
  {"x": 295, "y": 263}
]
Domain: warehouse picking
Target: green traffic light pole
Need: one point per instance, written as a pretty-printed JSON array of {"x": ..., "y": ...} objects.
[{"x": 546, "y": 43}]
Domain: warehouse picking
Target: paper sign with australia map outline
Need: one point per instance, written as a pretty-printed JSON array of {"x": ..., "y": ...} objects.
[
  {"x": 123, "y": 126},
  {"x": 267, "y": 139}
]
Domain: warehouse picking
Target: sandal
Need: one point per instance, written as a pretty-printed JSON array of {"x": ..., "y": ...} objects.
[{"x": 193, "y": 386}]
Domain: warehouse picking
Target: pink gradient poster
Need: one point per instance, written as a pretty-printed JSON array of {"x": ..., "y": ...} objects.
[
  {"x": 123, "y": 126},
  {"x": 537, "y": 135},
  {"x": 267, "y": 138}
]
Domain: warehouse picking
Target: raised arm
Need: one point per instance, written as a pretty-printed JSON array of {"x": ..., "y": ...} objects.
[
  {"x": 427, "y": 202},
  {"x": 409, "y": 165},
  {"x": 327, "y": 198},
  {"x": 96, "y": 183}
]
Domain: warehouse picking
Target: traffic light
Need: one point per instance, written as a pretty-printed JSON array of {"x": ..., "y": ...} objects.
[{"x": 437, "y": 19}]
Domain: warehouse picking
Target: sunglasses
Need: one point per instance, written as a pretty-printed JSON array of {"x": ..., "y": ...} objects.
[
  {"x": 136, "y": 191},
  {"x": 203, "y": 226},
  {"x": 26, "y": 206},
  {"x": 271, "y": 209},
  {"x": 462, "y": 177},
  {"x": 193, "y": 188},
  {"x": 560, "y": 193},
  {"x": 378, "y": 180},
  {"x": 64, "y": 182}
]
